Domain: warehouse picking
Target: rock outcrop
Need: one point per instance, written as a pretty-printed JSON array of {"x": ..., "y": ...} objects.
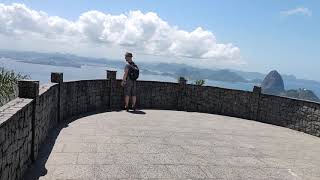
[
  {"x": 272, "y": 83},
  {"x": 301, "y": 94}
]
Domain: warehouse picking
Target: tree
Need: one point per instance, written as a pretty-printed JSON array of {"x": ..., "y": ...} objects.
[
  {"x": 200, "y": 82},
  {"x": 8, "y": 83}
]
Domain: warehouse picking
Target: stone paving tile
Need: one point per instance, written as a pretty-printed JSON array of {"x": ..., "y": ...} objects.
[
  {"x": 103, "y": 172},
  {"x": 236, "y": 152},
  {"x": 86, "y": 158},
  {"x": 62, "y": 158},
  {"x": 277, "y": 163},
  {"x": 112, "y": 148},
  {"x": 187, "y": 171},
  {"x": 128, "y": 158},
  {"x": 244, "y": 161},
  {"x": 104, "y": 158},
  {"x": 99, "y": 139},
  {"x": 80, "y": 147},
  {"x": 214, "y": 160},
  {"x": 161, "y": 158},
  {"x": 155, "y": 171},
  {"x": 199, "y": 149},
  {"x": 74, "y": 172},
  {"x": 230, "y": 172},
  {"x": 221, "y": 172}
]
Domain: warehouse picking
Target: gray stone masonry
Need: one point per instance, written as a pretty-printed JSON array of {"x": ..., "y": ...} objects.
[
  {"x": 57, "y": 77},
  {"x": 111, "y": 75},
  {"x": 28, "y": 89},
  {"x": 257, "y": 90},
  {"x": 182, "y": 80}
]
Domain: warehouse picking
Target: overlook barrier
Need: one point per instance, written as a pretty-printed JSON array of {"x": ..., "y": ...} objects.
[{"x": 26, "y": 120}]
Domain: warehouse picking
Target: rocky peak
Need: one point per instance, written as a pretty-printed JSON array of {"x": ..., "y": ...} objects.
[{"x": 272, "y": 83}]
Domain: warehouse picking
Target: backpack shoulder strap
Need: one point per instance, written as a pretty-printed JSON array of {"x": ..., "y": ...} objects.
[{"x": 134, "y": 65}]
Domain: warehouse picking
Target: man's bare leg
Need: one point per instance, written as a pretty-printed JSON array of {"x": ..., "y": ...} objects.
[
  {"x": 126, "y": 100},
  {"x": 134, "y": 99}
]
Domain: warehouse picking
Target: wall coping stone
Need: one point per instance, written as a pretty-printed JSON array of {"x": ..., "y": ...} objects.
[{"x": 11, "y": 108}]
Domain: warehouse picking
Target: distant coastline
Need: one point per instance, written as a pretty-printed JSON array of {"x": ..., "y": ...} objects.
[
  {"x": 52, "y": 63},
  {"x": 228, "y": 78}
]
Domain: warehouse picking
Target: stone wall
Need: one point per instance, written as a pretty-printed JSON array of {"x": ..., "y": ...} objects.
[
  {"x": 84, "y": 96},
  {"x": 15, "y": 138},
  {"x": 291, "y": 113},
  {"x": 26, "y": 120},
  {"x": 46, "y": 116},
  {"x": 157, "y": 95},
  {"x": 219, "y": 101}
]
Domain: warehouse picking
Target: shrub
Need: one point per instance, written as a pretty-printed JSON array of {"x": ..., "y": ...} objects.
[
  {"x": 8, "y": 84},
  {"x": 200, "y": 82}
]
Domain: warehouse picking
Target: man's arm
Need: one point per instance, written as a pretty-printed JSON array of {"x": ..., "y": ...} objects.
[
  {"x": 124, "y": 79},
  {"x": 125, "y": 74}
]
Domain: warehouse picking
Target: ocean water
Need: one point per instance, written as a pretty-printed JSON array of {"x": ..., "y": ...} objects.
[{"x": 43, "y": 72}]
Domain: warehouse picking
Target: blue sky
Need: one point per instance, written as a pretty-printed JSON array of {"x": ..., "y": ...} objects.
[{"x": 270, "y": 34}]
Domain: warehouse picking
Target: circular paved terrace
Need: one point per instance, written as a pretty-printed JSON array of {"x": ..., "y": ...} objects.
[{"x": 175, "y": 145}]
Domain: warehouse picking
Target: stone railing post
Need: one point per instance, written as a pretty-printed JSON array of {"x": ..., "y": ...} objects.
[
  {"x": 181, "y": 93},
  {"x": 112, "y": 77},
  {"x": 30, "y": 89},
  {"x": 256, "y": 95},
  {"x": 57, "y": 77}
]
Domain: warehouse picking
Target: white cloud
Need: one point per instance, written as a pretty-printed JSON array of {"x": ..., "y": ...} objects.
[
  {"x": 143, "y": 32},
  {"x": 297, "y": 11}
]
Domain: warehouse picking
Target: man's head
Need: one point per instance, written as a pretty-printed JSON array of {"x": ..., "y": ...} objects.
[{"x": 128, "y": 56}]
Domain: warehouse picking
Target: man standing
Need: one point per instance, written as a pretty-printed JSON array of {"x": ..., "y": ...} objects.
[{"x": 131, "y": 74}]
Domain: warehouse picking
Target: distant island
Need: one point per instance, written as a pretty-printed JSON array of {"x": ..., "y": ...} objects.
[
  {"x": 301, "y": 94},
  {"x": 274, "y": 84}
]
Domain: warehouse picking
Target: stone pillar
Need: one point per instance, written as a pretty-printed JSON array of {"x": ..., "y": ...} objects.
[
  {"x": 181, "y": 94},
  {"x": 256, "y": 92},
  {"x": 30, "y": 89},
  {"x": 111, "y": 75},
  {"x": 112, "y": 78},
  {"x": 182, "y": 81},
  {"x": 57, "y": 77}
]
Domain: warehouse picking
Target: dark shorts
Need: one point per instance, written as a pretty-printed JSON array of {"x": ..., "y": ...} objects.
[{"x": 130, "y": 88}]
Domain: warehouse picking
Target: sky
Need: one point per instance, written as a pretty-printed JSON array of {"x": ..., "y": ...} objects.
[{"x": 249, "y": 35}]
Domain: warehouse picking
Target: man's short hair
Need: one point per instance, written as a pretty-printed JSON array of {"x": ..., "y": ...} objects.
[{"x": 128, "y": 54}]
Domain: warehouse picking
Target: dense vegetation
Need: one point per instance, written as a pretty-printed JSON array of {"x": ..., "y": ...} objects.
[
  {"x": 8, "y": 84},
  {"x": 200, "y": 82}
]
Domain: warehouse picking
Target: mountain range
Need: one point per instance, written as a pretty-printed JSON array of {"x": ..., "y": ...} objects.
[{"x": 173, "y": 70}]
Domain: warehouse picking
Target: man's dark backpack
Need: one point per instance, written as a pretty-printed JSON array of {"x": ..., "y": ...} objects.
[{"x": 133, "y": 72}]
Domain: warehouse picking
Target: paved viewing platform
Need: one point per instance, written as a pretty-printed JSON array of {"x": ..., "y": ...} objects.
[{"x": 174, "y": 145}]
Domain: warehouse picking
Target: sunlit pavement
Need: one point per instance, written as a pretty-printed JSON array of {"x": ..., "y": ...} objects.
[{"x": 175, "y": 145}]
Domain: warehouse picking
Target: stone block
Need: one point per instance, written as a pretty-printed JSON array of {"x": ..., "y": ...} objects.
[
  {"x": 182, "y": 81},
  {"x": 28, "y": 89},
  {"x": 257, "y": 90},
  {"x": 2, "y": 136},
  {"x": 111, "y": 75}
]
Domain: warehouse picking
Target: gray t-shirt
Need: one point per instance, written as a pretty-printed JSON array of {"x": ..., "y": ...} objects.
[{"x": 127, "y": 67}]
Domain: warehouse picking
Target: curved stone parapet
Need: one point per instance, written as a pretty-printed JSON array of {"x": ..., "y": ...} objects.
[{"x": 26, "y": 120}]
